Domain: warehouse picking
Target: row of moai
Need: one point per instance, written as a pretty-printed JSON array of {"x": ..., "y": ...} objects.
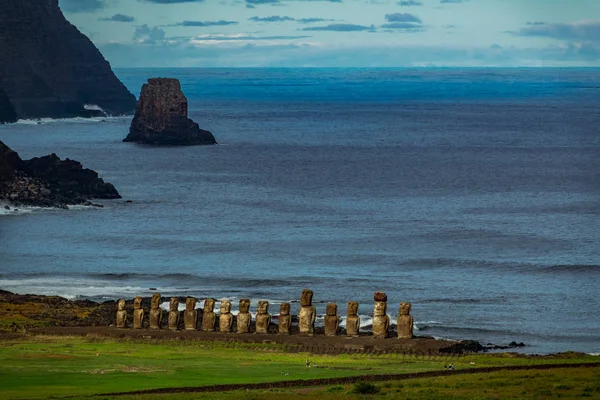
[{"x": 224, "y": 321}]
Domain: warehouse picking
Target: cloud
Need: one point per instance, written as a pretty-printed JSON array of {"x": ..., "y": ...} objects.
[
  {"x": 243, "y": 37},
  {"x": 407, "y": 3},
  {"x": 579, "y": 31},
  {"x": 403, "y": 22},
  {"x": 253, "y": 3},
  {"x": 402, "y": 17},
  {"x": 147, "y": 35},
  {"x": 453, "y": 1},
  {"x": 274, "y": 18},
  {"x": 404, "y": 26},
  {"x": 204, "y": 23},
  {"x": 81, "y": 6},
  {"x": 277, "y": 18},
  {"x": 171, "y": 1},
  {"x": 118, "y": 18},
  {"x": 312, "y": 20},
  {"x": 341, "y": 28}
]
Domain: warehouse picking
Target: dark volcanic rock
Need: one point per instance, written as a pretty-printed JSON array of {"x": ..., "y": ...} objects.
[
  {"x": 465, "y": 346},
  {"x": 70, "y": 178},
  {"x": 9, "y": 163},
  {"x": 161, "y": 117},
  {"x": 50, "y": 69},
  {"x": 7, "y": 111},
  {"x": 49, "y": 181}
]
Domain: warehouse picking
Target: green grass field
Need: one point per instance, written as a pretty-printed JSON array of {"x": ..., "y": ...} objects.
[
  {"x": 41, "y": 367},
  {"x": 581, "y": 383}
]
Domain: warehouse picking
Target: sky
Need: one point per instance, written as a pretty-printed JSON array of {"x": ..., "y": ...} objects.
[{"x": 341, "y": 33}]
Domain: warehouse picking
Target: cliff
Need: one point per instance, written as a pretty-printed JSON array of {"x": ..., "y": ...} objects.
[
  {"x": 7, "y": 111},
  {"x": 49, "y": 181},
  {"x": 161, "y": 117},
  {"x": 50, "y": 69}
]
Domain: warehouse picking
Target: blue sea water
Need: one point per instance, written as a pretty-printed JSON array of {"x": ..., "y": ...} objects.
[{"x": 472, "y": 193}]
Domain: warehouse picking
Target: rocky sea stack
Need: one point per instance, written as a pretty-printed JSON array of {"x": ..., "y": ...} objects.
[
  {"x": 49, "y": 181},
  {"x": 161, "y": 117},
  {"x": 48, "y": 69}
]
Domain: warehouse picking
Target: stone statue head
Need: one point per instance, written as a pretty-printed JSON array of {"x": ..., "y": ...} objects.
[
  {"x": 380, "y": 296},
  {"x": 209, "y": 305},
  {"x": 155, "y": 303},
  {"x": 174, "y": 304},
  {"x": 405, "y": 308},
  {"x": 244, "y": 305},
  {"x": 284, "y": 309},
  {"x": 380, "y": 308},
  {"x": 137, "y": 303},
  {"x": 225, "y": 306},
  {"x": 306, "y": 299},
  {"x": 263, "y": 307},
  {"x": 121, "y": 305},
  {"x": 352, "y": 308},
  {"x": 331, "y": 309},
  {"x": 190, "y": 304}
]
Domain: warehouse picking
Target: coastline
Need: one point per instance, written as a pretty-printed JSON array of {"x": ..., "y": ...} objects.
[{"x": 57, "y": 316}]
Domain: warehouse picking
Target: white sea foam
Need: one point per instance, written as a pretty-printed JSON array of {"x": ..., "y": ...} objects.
[
  {"x": 445, "y": 338},
  {"x": 429, "y": 323},
  {"x": 20, "y": 210},
  {"x": 93, "y": 107},
  {"x": 426, "y": 324},
  {"x": 76, "y": 120},
  {"x": 366, "y": 321},
  {"x": 594, "y": 354},
  {"x": 14, "y": 210},
  {"x": 75, "y": 287}
]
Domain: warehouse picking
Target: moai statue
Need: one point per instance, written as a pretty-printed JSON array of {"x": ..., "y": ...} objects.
[
  {"x": 174, "y": 314},
  {"x": 209, "y": 318},
  {"x": 190, "y": 315},
  {"x": 308, "y": 313},
  {"x": 381, "y": 322},
  {"x": 352, "y": 320},
  {"x": 155, "y": 312},
  {"x": 263, "y": 318},
  {"x": 244, "y": 318},
  {"x": 121, "y": 314},
  {"x": 332, "y": 321},
  {"x": 285, "y": 319},
  {"x": 405, "y": 322},
  {"x": 138, "y": 313},
  {"x": 225, "y": 318}
]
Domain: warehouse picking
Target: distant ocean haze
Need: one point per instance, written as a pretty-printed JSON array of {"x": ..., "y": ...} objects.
[{"x": 472, "y": 193}]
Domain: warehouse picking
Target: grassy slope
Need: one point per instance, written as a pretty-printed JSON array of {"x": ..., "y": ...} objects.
[
  {"x": 39, "y": 367},
  {"x": 550, "y": 384}
]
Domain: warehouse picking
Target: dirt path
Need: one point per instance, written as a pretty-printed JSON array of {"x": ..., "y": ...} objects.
[{"x": 347, "y": 380}]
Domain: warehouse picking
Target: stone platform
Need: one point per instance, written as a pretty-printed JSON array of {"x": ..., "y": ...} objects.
[{"x": 316, "y": 344}]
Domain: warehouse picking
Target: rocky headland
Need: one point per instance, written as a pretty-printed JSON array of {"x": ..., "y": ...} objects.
[
  {"x": 48, "y": 69},
  {"x": 49, "y": 181},
  {"x": 161, "y": 117}
]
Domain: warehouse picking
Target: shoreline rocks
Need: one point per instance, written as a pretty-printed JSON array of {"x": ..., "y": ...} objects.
[
  {"x": 49, "y": 69},
  {"x": 49, "y": 181},
  {"x": 161, "y": 117}
]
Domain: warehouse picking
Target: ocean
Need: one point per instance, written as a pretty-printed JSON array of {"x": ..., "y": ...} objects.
[{"x": 472, "y": 193}]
